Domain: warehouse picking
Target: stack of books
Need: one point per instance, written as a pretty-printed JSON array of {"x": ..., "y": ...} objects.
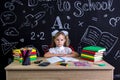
[{"x": 93, "y": 53}]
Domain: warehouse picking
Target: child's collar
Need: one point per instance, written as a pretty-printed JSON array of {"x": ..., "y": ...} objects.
[{"x": 62, "y": 47}]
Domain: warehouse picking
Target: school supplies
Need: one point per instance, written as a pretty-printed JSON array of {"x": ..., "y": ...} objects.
[
  {"x": 44, "y": 64},
  {"x": 83, "y": 63},
  {"x": 93, "y": 53},
  {"x": 24, "y": 55}
]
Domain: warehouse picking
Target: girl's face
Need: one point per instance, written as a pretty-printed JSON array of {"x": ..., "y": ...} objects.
[{"x": 60, "y": 40}]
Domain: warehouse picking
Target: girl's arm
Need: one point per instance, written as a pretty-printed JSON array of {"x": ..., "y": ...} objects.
[
  {"x": 48, "y": 54},
  {"x": 73, "y": 54}
]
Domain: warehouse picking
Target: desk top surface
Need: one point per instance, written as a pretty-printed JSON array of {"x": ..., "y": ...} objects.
[{"x": 55, "y": 66}]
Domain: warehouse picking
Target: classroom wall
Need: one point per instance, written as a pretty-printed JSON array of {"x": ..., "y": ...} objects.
[{"x": 89, "y": 22}]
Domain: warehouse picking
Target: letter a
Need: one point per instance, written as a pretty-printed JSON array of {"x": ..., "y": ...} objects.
[{"x": 57, "y": 23}]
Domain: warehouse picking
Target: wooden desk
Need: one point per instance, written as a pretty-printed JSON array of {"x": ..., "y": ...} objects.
[{"x": 16, "y": 71}]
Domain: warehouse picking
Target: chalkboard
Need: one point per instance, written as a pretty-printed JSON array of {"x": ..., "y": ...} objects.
[{"x": 89, "y": 22}]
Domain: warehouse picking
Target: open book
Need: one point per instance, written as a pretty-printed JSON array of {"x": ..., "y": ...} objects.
[
  {"x": 94, "y": 36},
  {"x": 59, "y": 59}
]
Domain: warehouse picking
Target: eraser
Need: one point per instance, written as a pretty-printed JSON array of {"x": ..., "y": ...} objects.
[{"x": 102, "y": 64}]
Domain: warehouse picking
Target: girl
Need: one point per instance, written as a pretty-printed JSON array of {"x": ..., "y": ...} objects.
[{"x": 60, "y": 45}]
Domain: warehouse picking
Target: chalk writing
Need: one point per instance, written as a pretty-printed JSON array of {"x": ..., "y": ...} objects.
[
  {"x": 106, "y": 15},
  {"x": 58, "y": 23},
  {"x": 95, "y": 19},
  {"x": 92, "y": 6},
  {"x": 10, "y": 6},
  {"x": 32, "y": 3},
  {"x": 40, "y": 36},
  {"x": 65, "y": 6},
  {"x": 17, "y": 1},
  {"x": 48, "y": 8},
  {"x": 113, "y": 21},
  {"x": 22, "y": 19}
]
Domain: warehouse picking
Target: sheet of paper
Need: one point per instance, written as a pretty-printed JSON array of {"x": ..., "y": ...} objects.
[
  {"x": 66, "y": 59},
  {"x": 54, "y": 59},
  {"x": 58, "y": 59}
]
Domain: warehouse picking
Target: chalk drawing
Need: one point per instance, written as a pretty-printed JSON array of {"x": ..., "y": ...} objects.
[
  {"x": 63, "y": 6},
  {"x": 8, "y": 17},
  {"x": 17, "y": 1},
  {"x": 7, "y": 46},
  {"x": 113, "y": 21},
  {"x": 45, "y": 48},
  {"x": 43, "y": 22},
  {"x": 94, "y": 36},
  {"x": 117, "y": 55},
  {"x": 48, "y": 8},
  {"x": 32, "y": 3},
  {"x": 117, "y": 76},
  {"x": 68, "y": 17},
  {"x": 40, "y": 35},
  {"x": 11, "y": 32},
  {"x": 22, "y": 40},
  {"x": 80, "y": 23},
  {"x": 32, "y": 20}
]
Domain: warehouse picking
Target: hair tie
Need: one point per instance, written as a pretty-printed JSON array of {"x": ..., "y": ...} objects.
[
  {"x": 56, "y": 31},
  {"x": 65, "y": 32}
]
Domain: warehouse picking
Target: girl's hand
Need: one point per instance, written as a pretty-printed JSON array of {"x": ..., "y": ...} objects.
[
  {"x": 64, "y": 55},
  {"x": 60, "y": 55}
]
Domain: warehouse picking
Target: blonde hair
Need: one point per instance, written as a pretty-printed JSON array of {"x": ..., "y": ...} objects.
[{"x": 56, "y": 35}]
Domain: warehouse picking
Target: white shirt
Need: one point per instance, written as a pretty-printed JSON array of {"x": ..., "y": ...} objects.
[{"x": 59, "y": 50}]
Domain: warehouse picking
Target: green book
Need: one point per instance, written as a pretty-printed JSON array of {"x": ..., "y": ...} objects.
[{"x": 95, "y": 48}]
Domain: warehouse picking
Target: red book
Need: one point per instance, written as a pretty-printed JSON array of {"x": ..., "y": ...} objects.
[
  {"x": 91, "y": 52},
  {"x": 32, "y": 53}
]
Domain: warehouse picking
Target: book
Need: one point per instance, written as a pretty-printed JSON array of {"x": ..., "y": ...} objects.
[
  {"x": 95, "y": 48},
  {"x": 61, "y": 59},
  {"x": 94, "y": 36},
  {"x": 92, "y": 58},
  {"x": 92, "y": 52}
]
